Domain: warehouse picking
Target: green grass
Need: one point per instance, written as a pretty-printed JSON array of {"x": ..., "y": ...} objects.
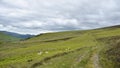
[{"x": 97, "y": 48}]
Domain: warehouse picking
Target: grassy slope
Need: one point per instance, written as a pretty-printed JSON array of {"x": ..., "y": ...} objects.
[
  {"x": 6, "y": 38},
  {"x": 72, "y": 49}
]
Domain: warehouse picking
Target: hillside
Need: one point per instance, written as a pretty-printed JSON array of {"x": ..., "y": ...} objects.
[
  {"x": 21, "y": 36},
  {"x": 97, "y": 48},
  {"x": 7, "y": 38}
]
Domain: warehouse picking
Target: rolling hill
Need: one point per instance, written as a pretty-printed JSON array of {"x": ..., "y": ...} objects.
[
  {"x": 97, "y": 48},
  {"x": 7, "y": 38},
  {"x": 21, "y": 36}
]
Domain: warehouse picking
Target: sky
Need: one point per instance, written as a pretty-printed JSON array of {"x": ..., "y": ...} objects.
[{"x": 41, "y": 16}]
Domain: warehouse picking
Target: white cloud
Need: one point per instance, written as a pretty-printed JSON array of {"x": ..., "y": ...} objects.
[
  {"x": 63, "y": 21},
  {"x": 17, "y": 3},
  {"x": 29, "y": 24}
]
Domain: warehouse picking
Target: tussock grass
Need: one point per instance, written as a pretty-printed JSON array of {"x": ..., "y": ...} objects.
[{"x": 98, "y": 48}]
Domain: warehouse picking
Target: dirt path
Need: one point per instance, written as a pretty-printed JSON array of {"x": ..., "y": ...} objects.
[
  {"x": 93, "y": 61},
  {"x": 96, "y": 62},
  {"x": 95, "y": 57},
  {"x": 79, "y": 59}
]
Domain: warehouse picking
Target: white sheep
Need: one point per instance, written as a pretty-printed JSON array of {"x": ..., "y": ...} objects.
[{"x": 40, "y": 53}]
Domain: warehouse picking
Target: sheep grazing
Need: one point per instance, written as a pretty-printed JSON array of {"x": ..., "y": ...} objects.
[
  {"x": 46, "y": 52},
  {"x": 67, "y": 49},
  {"x": 40, "y": 53}
]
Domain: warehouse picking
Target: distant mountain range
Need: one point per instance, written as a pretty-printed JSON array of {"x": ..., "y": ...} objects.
[{"x": 21, "y": 36}]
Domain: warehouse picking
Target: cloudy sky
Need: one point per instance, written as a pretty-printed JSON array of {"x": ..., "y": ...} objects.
[{"x": 40, "y": 16}]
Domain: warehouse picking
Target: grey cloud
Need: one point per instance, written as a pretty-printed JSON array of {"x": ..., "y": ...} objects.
[{"x": 57, "y": 15}]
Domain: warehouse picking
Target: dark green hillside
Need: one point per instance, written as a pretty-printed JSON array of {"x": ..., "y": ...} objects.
[{"x": 98, "y": 48}]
